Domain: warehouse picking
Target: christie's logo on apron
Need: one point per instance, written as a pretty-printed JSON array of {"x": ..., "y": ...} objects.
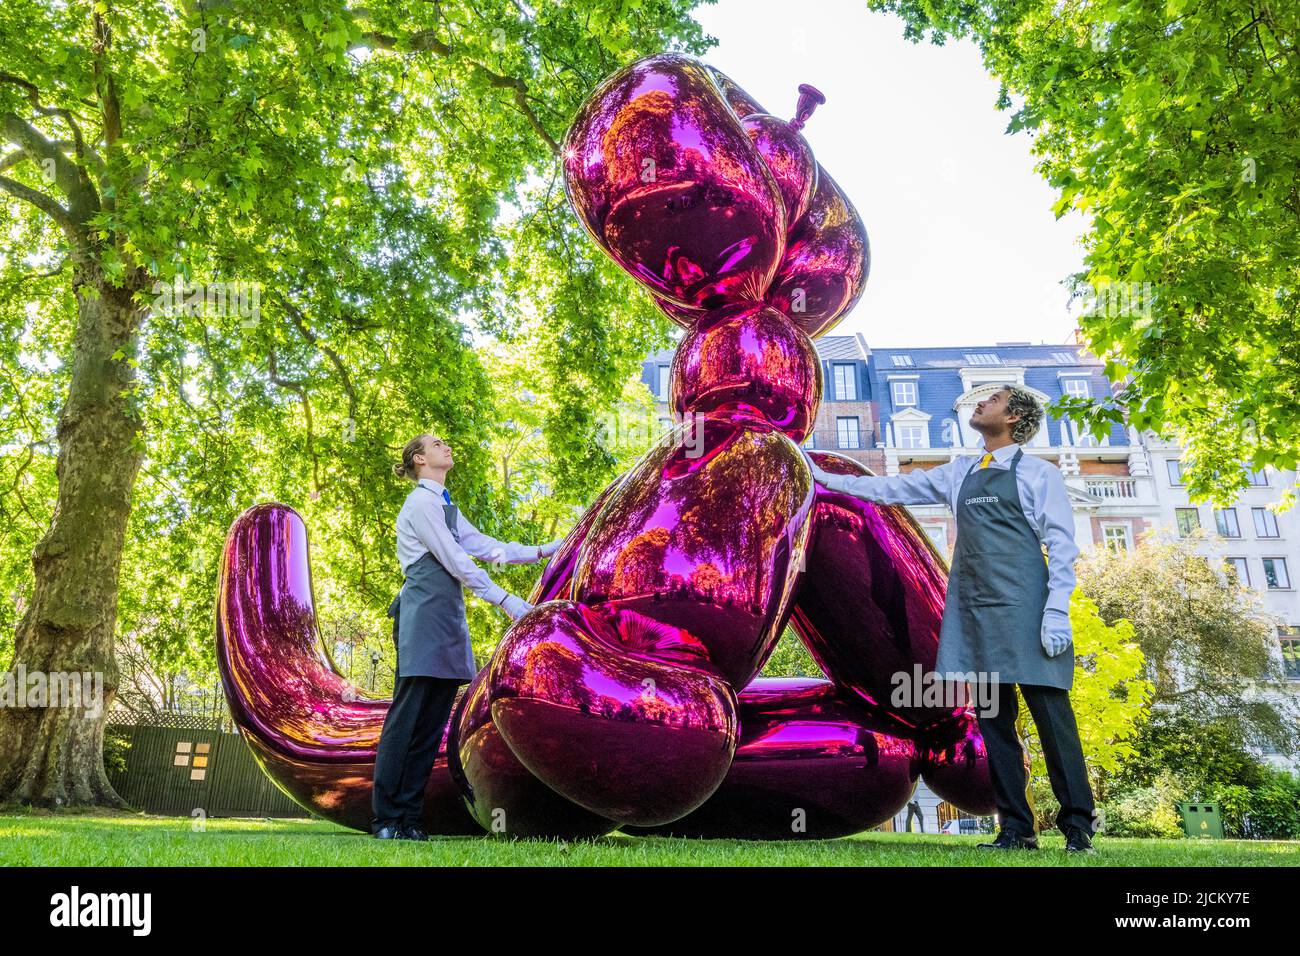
[{"x": 984, "y": 500}]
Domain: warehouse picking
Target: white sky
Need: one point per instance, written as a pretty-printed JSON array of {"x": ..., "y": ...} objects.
[{"x": 965, "y": 248}]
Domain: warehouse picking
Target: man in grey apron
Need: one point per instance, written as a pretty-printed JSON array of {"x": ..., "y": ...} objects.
[
  {"x": 1003, "y": 624},
  {"x": 435, "y": 546}
]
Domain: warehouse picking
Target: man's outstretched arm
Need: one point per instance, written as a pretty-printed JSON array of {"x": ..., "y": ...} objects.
[{"x": 922, "y": 486}]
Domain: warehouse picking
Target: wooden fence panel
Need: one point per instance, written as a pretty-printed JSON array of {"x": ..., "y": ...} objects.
[{"x": 178, "y": 770}]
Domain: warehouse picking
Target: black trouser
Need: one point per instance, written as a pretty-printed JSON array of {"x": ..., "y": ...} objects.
[
  {"x": 408, "y": 747},
  {"x": 1062, "y": 752}
]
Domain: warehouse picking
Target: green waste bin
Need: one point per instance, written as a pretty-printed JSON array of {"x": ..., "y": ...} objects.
[{"x": 1201, "y": 820}]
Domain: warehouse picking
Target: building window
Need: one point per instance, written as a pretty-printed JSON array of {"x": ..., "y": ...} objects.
[
  {"x": 1189, "y": 519},
  {"x": 665, "y": 424},
  {"x": 847, "y": 429},
  {"x": 1259, "y": 478},
  {"x": 1275, "y": 575},
  {"x": 1175, "y": 472},
  {"x": 845, "y": 381},
  {"x": 904, "y": 393},
  {"x": 1242, "y": 569},
  {"x": 902, "y": 361},
  {"x": 1225, "y": 520},
  {"x": 1265, "y": 523},
  {"x": 1116, "y": 537},
  {"x": 661, "y": 382},
  {"x": 982, "y": 358},
  {"x": 1063, "y": 358},
  {"x": 938, "y": 535},
  {"x": 1076, "y": 387},
  {"x": 808, "y": 442},
  {"x": 1289, "y": 638},
  {"x": 910, "y": 436}
]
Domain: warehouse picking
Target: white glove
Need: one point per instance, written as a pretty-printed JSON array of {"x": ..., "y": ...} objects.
[
  {"x": 548, "y": 549},
  {"x": 515, "y": 606},
  {"x": 1056, "y": 635}
]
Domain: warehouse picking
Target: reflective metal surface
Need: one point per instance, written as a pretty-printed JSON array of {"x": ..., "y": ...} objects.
[
  {"x": 955, "y": 764},
  {"x": 613, "y": 710},
  {"x": 705, "y": 535},
  {"x": 613, "y": 702},
  {"x": 826, "y": 262},
  {"x": 666, "y": 179},
  {"x": 749, "y": 357}
]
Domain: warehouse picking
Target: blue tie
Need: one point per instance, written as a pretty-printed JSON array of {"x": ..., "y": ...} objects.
[{"x": 446, "y": 496}]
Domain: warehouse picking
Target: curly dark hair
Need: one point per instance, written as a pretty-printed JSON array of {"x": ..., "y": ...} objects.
[{"x": 1022, "y": 403}]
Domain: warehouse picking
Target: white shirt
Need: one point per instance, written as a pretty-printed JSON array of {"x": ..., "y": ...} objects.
[
  {"x": 422, "y": 528},
  {"x": 1043, "y": 498}
]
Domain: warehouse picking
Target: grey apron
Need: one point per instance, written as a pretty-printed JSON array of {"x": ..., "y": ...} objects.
[
  {"x": 997, "y": 589},
  {"x": 429, "y": 623}
]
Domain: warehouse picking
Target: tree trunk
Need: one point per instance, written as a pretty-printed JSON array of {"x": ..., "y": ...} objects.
[{"x": 52, "y": 756}]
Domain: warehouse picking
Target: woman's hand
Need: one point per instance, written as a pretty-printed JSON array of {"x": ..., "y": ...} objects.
[
  {"x": 548, "y": 549},
  {"x": 515, "y": 606}
]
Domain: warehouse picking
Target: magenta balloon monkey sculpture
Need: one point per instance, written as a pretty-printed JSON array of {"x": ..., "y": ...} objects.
[{"x": 627, "y": 697}]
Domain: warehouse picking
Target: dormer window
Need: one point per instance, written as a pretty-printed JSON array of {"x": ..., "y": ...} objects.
[
  {"x": 845, "y": 381},
  {"x": 910, "y": 436},
  {"x": 1076, "y": 386},
  {"x": 904, "y": 393}
]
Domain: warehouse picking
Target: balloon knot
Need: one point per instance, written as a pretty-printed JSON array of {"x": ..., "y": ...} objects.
[{"x": 809, "y": 99}]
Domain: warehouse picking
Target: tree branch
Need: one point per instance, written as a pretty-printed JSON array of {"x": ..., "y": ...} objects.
[
  {"x": 44, "y": 203},
  {"x": 426, "y": 41},
  {"x": 83, "y": 201},
  {"x": 300, "y": 322}
]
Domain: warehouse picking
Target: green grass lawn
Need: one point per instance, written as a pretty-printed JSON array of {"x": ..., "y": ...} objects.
[{"x": 48, "y": 839}]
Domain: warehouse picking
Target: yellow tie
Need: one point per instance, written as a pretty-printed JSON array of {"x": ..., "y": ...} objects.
[{"x": 988, "y": 457}]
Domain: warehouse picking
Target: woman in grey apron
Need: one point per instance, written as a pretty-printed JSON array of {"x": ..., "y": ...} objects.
[{"x": 434, "y": 655}]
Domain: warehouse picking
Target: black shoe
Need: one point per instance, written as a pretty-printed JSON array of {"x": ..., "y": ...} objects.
[
  {"x": 390, "y": 831},
  {"x": 1077, "y": 840},
  {"x": 1010, "y": 840},
  {"x": 414, "y": 832}
]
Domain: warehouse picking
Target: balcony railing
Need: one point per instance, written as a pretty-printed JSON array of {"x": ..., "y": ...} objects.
[{"x": 1111, "y": 487}]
